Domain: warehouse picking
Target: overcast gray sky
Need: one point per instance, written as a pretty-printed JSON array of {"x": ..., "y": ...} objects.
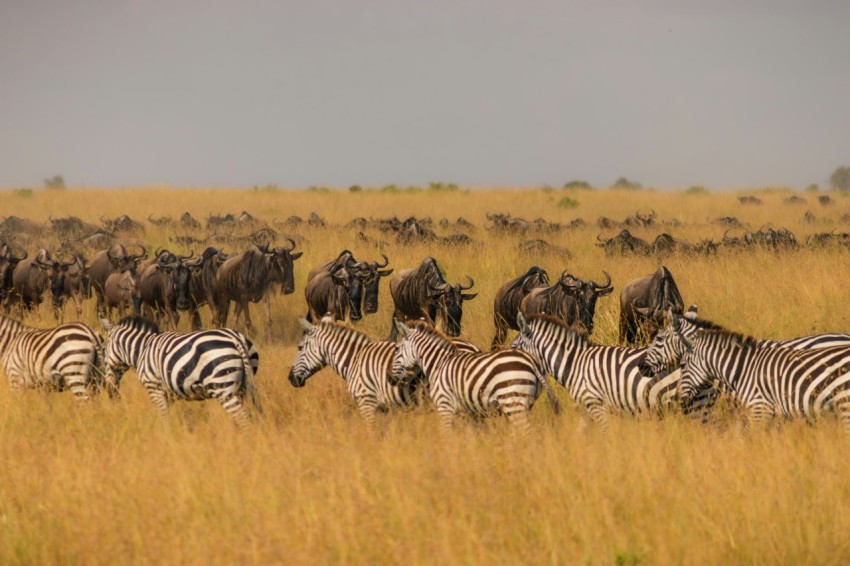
[{"x": 725, "y": 94}]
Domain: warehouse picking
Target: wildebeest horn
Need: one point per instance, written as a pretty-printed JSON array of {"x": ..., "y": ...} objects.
[
  {"x": 292, "y": 247},
  {"x": 102, "y": 221},
  {"x": 652, "y": 214},
  {"x": 23, "y": 257},
  {"x": 607, "y": 284},
  {"x": 158, "y": 251},
  {"x": 185, "y": 257},
  {"x": 468, "y": 287},
  {"x": 67, "y": 264},
  {"x": 386, "y": 262},
  {"x": 41, "y": 263},
  {"x": 599, "y": 238},
  {"x": 489, "y": 216},
  {"x": 144, "y": 254},
  {"x": 726, "y": 238}
]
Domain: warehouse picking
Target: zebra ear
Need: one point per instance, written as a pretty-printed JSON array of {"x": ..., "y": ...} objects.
[
  {"x": 691, "y": 313},
  {"x": 400, "y": 328},
  {"x": 306, "y": 326},
  {"x": 105, "y": 324},
  {"x": 520, "y": 322}
]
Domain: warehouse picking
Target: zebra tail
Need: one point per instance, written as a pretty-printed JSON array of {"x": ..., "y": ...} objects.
[
  {"x": 250, "y": 386},
  {"x": 541, "y": 377}
]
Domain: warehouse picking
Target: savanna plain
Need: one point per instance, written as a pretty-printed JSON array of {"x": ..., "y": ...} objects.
[{"x": 309, "y": 483}]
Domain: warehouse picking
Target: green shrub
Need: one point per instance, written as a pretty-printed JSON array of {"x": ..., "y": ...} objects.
[
  {"x": 56, "y": 183},
  {"x": 23, "y": 193},
  {"x": 813, "y": 188},
  {"x": 442, "y": 187},
  {"x": 317, "y": 189},
  {"x": 578, "y": 185},
  {"x": 623, "y": 183},
  {"x": 696, "y": 190},
  {"x": 355, "y": 189},
  {"x": 567, "y": 202}
]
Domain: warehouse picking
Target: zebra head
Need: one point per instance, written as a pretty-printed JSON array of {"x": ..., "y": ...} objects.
[
  {"x": 124, "y": 343},
  {"x": 713, "y": 360},
  {"x": 405, "y": 366},
  {"x": 310, "y": 357}
]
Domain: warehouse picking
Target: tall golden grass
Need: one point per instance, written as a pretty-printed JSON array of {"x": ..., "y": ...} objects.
[{"x": 310, "y": 484}]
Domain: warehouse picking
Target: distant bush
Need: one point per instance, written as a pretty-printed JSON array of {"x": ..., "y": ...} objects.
[
  {"x": 623, "y": 183},
  {"x": 355, "y": 189},
  {"x": 567, "y": 202},
  {"x": 266, "y": 189},
  {"x": 547, "y": 188},
  {"x": 813, "y": 188},
  {"x": 696, "y": 190},
  {"x": 56, "y": 183},
  {"x": 391, "y": 188},
  {"x": 23, "y": 193},
  {"x": 578, "y": 185},
  {"x": 318, "y": 189},
  {"x": 443, "y": 187},
  {"x": 840, "y": 179}
]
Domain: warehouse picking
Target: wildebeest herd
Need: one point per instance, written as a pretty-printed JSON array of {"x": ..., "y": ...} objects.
[{"x": 688, "y": 361}]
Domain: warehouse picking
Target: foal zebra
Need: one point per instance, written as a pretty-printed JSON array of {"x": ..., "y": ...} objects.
[
  {"x": 769, "y": 381},
  {"x": 598, "y": 378},
  {"x": 670, "y": 344},
  {"x": 209, "y": 364},
  {"x": 363, "y": 364},
  {"x": 54, "y": 358},
  {"x": 507, "y": 381}
]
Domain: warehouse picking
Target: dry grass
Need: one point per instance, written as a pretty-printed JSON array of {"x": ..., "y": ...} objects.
[{"x": 108, "y": 482}]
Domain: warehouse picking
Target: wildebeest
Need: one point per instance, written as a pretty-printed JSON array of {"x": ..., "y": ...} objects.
[
  {"x": 638, "y": 220},
  {"x": 508, "y": 298},
  {"x": 570, "y": 299},
  {"x": 824, "y": 200},
  {"x": 809, "y": 217},
  {"x": 643, "y": 303},
  {"x": 749, "y": 199},
  {"x": 794, "y": 199},
  {"x": 121, "y": 291},
  {"x": 33, "y": 277},
  {"x": 202, "y": 285},
  {"x": 97, "y": 240},
  {"x": 122, "y": 223},
  {"x": 504, "y": 223},
  {"x": 728, "y": 221},
  {"x": 247, "y": 278},
  {"x": 188, "y": 222},
  {"x": 624, "y": 243},
  {"x": 162, "y": 221},
  {"x": 71, "y": 226},
  {"x": 422, "y": 292},
  {"x": 665, "y": 244},
  {"x": 8, "y": 262},
  {"x": 413, "y": 231},
  {"x": 371, "y": 274},
  {"x": 316, "y": 221},
  {"x": 338, "y": 292},
  {"x": 76, "y": 284},
  {"x": 114, "y": 260},
  {"x": 164, "y": 287},
  {"x": 544, "y": 249}
]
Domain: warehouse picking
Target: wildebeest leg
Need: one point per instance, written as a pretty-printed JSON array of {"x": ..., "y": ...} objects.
[
  {"x": 196, "y": 318},
  {"x": 267, "y": 308},
  {"x": 78, "y": 306}
]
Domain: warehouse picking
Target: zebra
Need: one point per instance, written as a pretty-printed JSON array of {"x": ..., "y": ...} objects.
[
  {"x": 363, "y": 364},
  {"x": 208, "y": 364},
  {"x": 598, "y": 378},
  {"x": 669, "y": 345},
  {"x": 53, "y": 358},
  {"x": 769, "y": 381},
  {"x": 507, "y": 381}
]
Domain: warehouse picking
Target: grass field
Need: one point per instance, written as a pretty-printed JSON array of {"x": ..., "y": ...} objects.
[{"x": 310, "y": 484}]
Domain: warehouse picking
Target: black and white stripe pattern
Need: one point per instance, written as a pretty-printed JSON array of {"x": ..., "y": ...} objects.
[
  {"x": 363, "y": 364},
  {"x": 56, "y": 358},
  {"x": 769, "y": 381},
  {"x": 670, "y": 344},
  {"x": 505, "y": 381},
  {"x": 598, "y": 378},
  {"x": 209, "y": 364}
]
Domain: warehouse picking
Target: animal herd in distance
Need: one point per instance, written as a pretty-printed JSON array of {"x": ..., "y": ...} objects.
[{"x": 687, "y": 363}]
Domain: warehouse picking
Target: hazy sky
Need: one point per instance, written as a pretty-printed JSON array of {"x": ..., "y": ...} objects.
[{"x": 725, "y": 94}]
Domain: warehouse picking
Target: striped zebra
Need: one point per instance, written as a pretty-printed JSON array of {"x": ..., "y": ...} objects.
[
  {"x": 55, "y": 358},
  {"x": 209, "y": 364},
  {"x": 670, "y": 344},
  {"x": 769, "y": 381},
  {"x": 363, "y": 364},
  {"x": 598, "y": 378},
  {"x": 506, "y": 381}
]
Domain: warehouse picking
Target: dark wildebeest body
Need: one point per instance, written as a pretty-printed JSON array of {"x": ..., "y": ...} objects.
[
  {"x": 35, "y": 276},
  {"x": 8, "y": 262},
  {"x": 121, "y": 291},
  {"x": 643, "y": 303},
  {"x": 624, "y": 243},
  {"x": 202, "y": 285},
  {"x": 371, "y": 275},
  {"x": 422, "y": 292},
  {"x": 338, "y": 292},
  {"x": 164, "y": 287},
  {"x": 247, "y": 278},
  {"x": 508, "y": 299},
  {"x": 569, "y": 299},
  {"x": 104, "y": 263},
  {"x": 76, "y": 285}
]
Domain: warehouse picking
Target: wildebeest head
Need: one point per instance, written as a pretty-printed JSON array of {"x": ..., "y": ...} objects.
[
  {"x": 663, "y": 295},
  {"x": 178, "y": 275},
  {"x": 586, "y": 294},
  {"x": 120, "y": 258},
  {"x": 452, "y": 298},
  {"x": 77, "y": 278},
  {"x": 282, "y": 259},
  {"x": 56, "y": 273},
  {"x": 349, "y": 279},
  {"x": 370, "y": 274}
]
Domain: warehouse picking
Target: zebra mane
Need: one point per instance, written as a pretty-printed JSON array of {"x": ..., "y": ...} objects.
[
  {"x": 580, "y": 333},
  {"x": 702, "y": 323},
  {"x": 740, "y": 339},
  {"x": 347, "y": 327},
  {"x": 428, "y": 328},
  {"x": 140, "y": 322}
]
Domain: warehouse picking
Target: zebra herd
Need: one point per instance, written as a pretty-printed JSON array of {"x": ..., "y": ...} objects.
[{"x": 687, "y": 364}]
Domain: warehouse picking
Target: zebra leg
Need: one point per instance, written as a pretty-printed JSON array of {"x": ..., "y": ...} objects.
[
  {"x": 267, "y": 311},
  {"x": 77, "y": 383},
  {"x": 156, "y": 394},
  {"x": 447, "y": 415},
  {"x": 596, "y": 411},
  {"x": 368, "y": 405},
  {"x": 517, "y": 415},
  {"x": 234, "y": 405}
]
